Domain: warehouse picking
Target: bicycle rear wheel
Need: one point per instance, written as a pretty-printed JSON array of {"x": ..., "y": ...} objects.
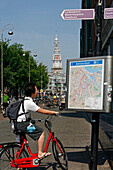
[
  {"x": 8, "y": 154},
  {"x": 60, "y": 154}
]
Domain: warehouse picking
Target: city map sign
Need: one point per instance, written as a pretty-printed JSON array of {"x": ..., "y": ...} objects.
[
  {"x": 89, "y": 84},
  {"x": 78, "y": 14}
]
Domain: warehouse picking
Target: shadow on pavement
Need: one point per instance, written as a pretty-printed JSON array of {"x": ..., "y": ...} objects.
[
  {"x": 85, "y": 115},
  {"x": 81, "y": 157},
  {"x": 84, "y": 156},
  {"x": 53, "y": 166}
]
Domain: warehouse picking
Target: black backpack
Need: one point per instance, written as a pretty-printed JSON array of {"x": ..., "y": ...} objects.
[{"x": 13, "y": 109}]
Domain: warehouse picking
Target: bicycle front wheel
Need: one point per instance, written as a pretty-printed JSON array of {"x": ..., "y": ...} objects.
[
  {"x": 8, "y": 154},
  {"x": 60, "y": 154}
]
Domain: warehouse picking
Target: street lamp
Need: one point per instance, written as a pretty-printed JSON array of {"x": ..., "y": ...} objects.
[
  {"x": 10, "y": 27},
  {"x": 29, "y": 66},
  {"x": 40, "y": 89},
  {"x": 41, "y": 81},
  {"x": 29, "y": 61}
]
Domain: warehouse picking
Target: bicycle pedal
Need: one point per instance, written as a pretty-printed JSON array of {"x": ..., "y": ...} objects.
[{"x": 45, "y": 156}]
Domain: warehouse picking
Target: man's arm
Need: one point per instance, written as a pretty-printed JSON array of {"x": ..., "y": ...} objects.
[{"x": 44, "y": 111}]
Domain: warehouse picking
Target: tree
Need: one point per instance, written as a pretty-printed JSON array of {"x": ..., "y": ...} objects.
[
  {"x": 16, "y": 67},
  {"x": 42, "y": 80}
]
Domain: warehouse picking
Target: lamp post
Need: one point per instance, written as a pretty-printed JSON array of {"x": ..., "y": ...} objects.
[
  {"x": 29, "y": 66},
  {"x": 43, "y": 69},
  {"x": 10, "y": 27},
  {"x": 29, "y": 61},
  {"x": 41, "y": 82}
]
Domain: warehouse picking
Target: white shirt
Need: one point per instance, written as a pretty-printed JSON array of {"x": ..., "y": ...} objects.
[{"x": 29, "y": 105}]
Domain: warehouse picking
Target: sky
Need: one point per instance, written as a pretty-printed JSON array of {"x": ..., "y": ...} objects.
[{"x": 36, "y": 23}]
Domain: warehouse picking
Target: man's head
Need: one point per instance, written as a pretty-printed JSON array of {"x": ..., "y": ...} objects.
[
  {"x": 5, "y": 93},
  {"x": 30, "y": 90}
]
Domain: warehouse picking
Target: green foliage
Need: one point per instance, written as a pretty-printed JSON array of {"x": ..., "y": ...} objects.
[{"x": 16, "y": 68}]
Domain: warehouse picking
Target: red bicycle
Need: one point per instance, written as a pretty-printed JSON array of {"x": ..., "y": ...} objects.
[{"x": 18, "y": 155}]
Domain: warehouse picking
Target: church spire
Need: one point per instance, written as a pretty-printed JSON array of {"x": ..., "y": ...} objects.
[{"x": 56, "y": 61}]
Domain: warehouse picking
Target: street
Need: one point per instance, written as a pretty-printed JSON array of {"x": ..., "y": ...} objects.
[{"x": 74, "y": 131}]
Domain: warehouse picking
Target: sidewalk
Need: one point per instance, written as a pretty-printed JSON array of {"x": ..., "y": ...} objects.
[
  {"x": 1, "y": 117},
  {"x": 74, "y": 131}
]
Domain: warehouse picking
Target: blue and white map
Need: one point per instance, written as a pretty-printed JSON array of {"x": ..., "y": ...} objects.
[{"x": 86, "y": 84}]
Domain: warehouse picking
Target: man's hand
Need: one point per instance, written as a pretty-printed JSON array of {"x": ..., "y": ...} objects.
[{"x": 57, "y": 113}]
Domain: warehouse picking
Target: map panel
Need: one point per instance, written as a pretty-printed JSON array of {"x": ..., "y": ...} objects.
[{"x": 86, "y": 84}]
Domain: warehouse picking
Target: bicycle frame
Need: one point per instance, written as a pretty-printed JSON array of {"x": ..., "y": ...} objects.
[{"x": 33, "y": 160}]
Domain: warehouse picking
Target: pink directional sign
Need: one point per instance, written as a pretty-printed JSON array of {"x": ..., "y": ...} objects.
[
  {"x": 108, "y": 13},
  {"x": 78, "y": 14}
]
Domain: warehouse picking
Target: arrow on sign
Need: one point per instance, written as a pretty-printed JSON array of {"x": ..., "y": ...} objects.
[{"x": 78, "y": 14}]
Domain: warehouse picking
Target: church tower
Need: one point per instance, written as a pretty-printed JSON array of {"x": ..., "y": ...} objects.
[{"x": 56, "y": 61}]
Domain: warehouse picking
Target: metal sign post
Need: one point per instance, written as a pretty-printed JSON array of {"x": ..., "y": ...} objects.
[
  {"x": 95, "y": 117},
  {"x": 98, "y": 23},
  {"x": 108, "y": 14}
]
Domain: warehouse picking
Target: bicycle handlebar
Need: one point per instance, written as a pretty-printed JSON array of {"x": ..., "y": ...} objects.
[{"x": 47, "y": 119}]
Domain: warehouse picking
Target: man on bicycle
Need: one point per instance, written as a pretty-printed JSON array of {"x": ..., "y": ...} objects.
[{"x": 23, "y": 120}]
